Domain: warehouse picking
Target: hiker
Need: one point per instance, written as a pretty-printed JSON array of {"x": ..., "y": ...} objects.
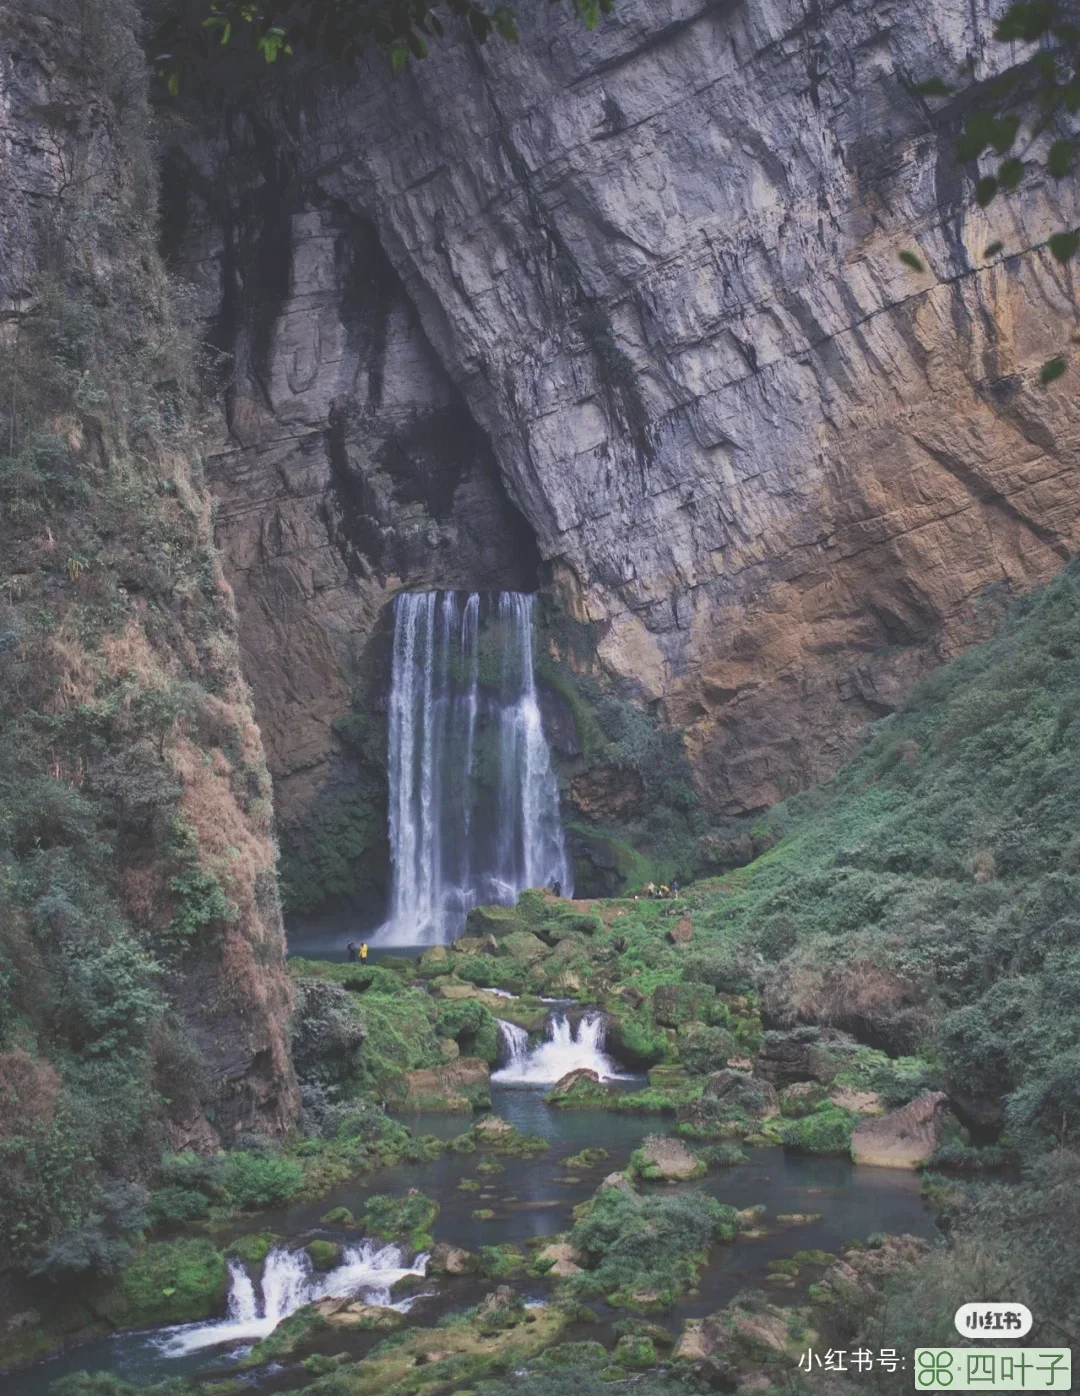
[
  {"x": 350, "y": 950},
  {"x": 363, "y": 953},
  {"x": 556, "y": 887},
  {"x": 674, "y": 889},
  {"x": 665, "y": 890},
  {"x": 650, "y": 889}
]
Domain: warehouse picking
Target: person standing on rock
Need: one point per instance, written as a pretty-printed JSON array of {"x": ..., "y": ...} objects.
[
  {"x": 363, "y": 953},
  {"x": 556, "y": 888},
  {"x": 350, "y": 950}
]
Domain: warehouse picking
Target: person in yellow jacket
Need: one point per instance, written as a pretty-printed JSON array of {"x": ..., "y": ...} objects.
[{"x": 363, "y": 953}]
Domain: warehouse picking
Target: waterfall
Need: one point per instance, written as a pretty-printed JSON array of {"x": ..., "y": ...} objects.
[
  {"x": 474, "y": 805},
  {"x": 564, "y": 1049},
  {"x": 287, "y": 1285}
]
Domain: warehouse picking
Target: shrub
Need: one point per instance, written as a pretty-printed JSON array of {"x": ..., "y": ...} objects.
[
  {"x": 827, "y": 1130},
  {"x": 472, "y": 1026},
  {"x": 390, "y": 1217},
  {"x": 253, "y": 1181},
  {"x": 634, "y": 1246}
]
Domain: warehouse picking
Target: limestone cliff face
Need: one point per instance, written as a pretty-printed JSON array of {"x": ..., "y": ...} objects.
[
  {"x": 657, "y": 267},
  {"x": 140, "y": 930}
]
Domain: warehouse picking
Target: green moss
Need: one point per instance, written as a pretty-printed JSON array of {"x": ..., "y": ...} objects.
[
  {"x": 339, "y": 1216},
  {"x": 588, "y": 1158},
  {"x": 635, "y": 1353},
  {"x": 254, "y": 1181},
  {"x": 501, "y": 1262},
  {"x": 588, "y": 1354},
  {"x": 253, "y": 1248},
  {"x": 325, "y": 1255},
  {"x": 170, "y": 1282},
  {"x": 827, "y": 1130},
  {"x": 391, "y": 1217}
]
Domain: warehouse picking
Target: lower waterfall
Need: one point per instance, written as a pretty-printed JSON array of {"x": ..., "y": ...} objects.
[
  {"x": 474, "y": 804},
  {"x": 566, "y": 1048},
  {"x": 287, "y": 1284}
]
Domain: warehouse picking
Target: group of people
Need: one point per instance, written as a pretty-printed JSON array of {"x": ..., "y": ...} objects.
[
  {"x": 652, "y": 891},
  {"x": 356, "y": 952}
]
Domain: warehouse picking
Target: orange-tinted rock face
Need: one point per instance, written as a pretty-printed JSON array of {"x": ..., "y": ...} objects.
[{"x": 783, "y": 473}]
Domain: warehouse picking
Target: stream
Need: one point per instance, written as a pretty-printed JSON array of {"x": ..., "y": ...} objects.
[{"x": 530, "y": 1197}]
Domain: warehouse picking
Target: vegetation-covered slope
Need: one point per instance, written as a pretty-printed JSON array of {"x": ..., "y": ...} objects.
[{"x": 142, "y": 994}]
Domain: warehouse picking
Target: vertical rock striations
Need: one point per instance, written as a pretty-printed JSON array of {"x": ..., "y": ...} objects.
[{"x": 659, "y": 266}]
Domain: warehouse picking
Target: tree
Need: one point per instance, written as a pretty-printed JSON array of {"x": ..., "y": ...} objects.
[{"x": 1022, "y": 120}]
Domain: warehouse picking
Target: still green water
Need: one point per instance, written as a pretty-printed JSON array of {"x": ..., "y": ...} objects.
[{"x": 534, "y": 1197}]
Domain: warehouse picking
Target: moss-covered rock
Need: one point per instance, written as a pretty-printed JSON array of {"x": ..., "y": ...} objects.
[
  {"x": 635, "y": 1352},
  {"x": 827, "y": 1130},
  {"x": 253, "y": 1248},
  {"x": 411, "y": 1215},
  {"x": 324, "y": 1254},
  {"x": 662, "y": 1158},
  {"x": 169, "y": 1282},
  {"x": 501, "y": 1262},
  {"x": 582, "y": 1089}
]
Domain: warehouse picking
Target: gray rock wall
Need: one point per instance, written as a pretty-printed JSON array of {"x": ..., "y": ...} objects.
[{"x": 659, "y": 264}]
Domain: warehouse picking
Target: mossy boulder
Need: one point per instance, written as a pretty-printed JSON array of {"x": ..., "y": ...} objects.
[
  {"x": 662, "y": 1158},
  {"x": 704, "y": 1049},
  {"x": 582, "y": 1089},
  {"x": 457, "y": 1087},
  {"x": 500, "y": 1262},
  {"x": 169, "y": 1282},
  {"x": 827, "y": 1130},
  {"x": 676, "y": 1004},
  {"x": 434, "y": 961},
  {"x": 496, "y": 921},
  {"x": 587, "y": 1355},
  {"x": 588, "y": 1158},
  {"x": 523, "y": 946},
  {"x": 325, "y": 1255},
  {"x": 635, "y": 1352},
  {"x": 411, "y": 1215},
  {"x": 635, "y": 1040},
  {"x": 339, "y": 1216},
  {"x": 253, "y": 1248}
]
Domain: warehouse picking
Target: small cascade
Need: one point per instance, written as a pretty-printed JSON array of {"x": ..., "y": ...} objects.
[
  {"x": 287, "y": 1285},
  {"x": 474, "y": 804},
  {"x": 565, "y": 1048}
]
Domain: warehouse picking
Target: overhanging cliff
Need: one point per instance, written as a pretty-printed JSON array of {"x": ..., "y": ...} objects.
[{"x": 657, "y": 266}]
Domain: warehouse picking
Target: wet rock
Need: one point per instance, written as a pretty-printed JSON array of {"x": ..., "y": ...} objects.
[
  {"x": 451, "y": 1260},
  {"x": 341, "y": 1313},
  {"x": 492, "y": 1129},
  {"x": 799, "y": 1218},
  {"x": 324, "y": 1254},
  {"x": 661, "y": 1157},
  {"x": 903, "y": 1139},
  {"x": 618, "y": 1180},
  {"x": 563, "y": 1258},
  {"x": 339, "y": 1216},
  {"x": 581, "y": 1089},
  {"x": 864, "y": 1271},
  {"x": 858, "y": 1102}
]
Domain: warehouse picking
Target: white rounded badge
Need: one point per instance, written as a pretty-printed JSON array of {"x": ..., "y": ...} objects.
[{"x": 993, "y": 1320}]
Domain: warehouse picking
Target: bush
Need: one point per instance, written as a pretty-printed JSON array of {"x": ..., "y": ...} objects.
[
  {"x": 827, "y": 1130},
  {"x": 391, "y": 1217},
  {"x": 174, "y": 1282},
  {"x": 171, "y": 1206},
  {"x": 634, "y": 1246},
  {"x": 472, "y": 1026},
  {"x": 254, "y": 1181}
]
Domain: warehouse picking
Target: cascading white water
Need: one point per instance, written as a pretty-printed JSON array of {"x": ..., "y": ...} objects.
[
  {"x": 474, "y": 805},
  {"x": 287, "y": 1285},
  {"x": 566, "y": 1049}
]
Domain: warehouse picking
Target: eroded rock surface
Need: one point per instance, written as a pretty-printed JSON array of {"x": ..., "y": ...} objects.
[{"x": 656, "y": 268}]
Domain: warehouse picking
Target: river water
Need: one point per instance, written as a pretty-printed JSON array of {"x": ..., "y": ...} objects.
[{"x": 529, "y": 1197}]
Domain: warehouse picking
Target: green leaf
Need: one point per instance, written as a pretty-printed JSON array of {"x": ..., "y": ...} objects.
[
  {"x": 1060, "y": 158},
  {"x": 933, "y": 87},
  {"x": 909, "y": 259},
  {"x": 1063, "y": 245},
  {"x": 994, "y": 249},
  {"x": 398, "y": 56},
  {"x": 985, "y": 190},
  {"x": 174, "y": 84},
  {"x": 1052, "y": 369},
  {"x": 1010, "y": 172}
]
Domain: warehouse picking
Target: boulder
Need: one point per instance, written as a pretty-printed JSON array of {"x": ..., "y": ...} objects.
[
  {"x": 451, "y": 1260},
  {"x": 862, "y": 1272},
  {"x": 581, "y": 1088},
  {"x": 675, "y": 1004},
  {"x": 904, "y": 1139},
  {"x": 434, "y": 961},
  {"x": 492, "y": 920},
  {"x": 661, "y": 1157},
  {"x": 682, "y": 933},
  {"x": 617, "y": 1180},
  {"x": 455, "y": 1088},
  {"x": 563, "y": 1257},
  {"x": 754, "y": 1097},
  {"x": 523, "y": 945},
  {"x": 803, "y": 1054},
  {"x": 858, "y": 1102},
  {"x": 492, "y": 1129},
  {"x": 456, "y": 991}
]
